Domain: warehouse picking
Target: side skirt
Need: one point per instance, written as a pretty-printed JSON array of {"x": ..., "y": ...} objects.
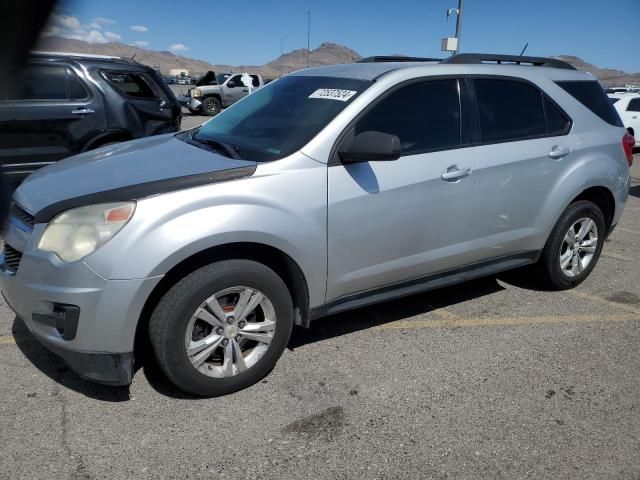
[{"x": 424, "y": 284}]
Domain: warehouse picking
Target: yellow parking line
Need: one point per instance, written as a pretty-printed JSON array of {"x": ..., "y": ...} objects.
[
  {"x": 7, "y": 340},
  {"x": 628, "y": 230},
  {"x": 442, "y": 313},
  {"x": 509, "y": 321},
  {"x": 616, "y": 256},
  {"x": 604, "y": 301}
]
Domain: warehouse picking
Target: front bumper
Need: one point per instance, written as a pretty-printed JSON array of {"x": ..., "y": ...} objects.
[{"x": 82, "y": 317}]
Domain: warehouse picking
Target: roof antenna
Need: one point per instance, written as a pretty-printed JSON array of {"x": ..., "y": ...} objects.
[
  {"x": 133, "y": 56},
  {"x": 525, "y": 47}
]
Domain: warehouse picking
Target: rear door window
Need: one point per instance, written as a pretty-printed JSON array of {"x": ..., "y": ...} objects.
[
  {"x": 509, "y": 110},
  {"x": 131, "y": 84},
  {"x": 425, "y": 116},
  {"x": 634, "y": 105},
  {"x": 590, "y": 94},
  {"x": 40, "y": 82},
  {"x": 558, "y": 123},
  {"x": 54, "y": 83},
  {"x": 75, "y": 88}
]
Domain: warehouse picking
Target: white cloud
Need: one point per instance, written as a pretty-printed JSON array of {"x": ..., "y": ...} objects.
[
  {"x": 64, "y": 21},
  {"x": 139, "y": 28},
  {"x": 112, "y": 36},
  {"x": 178, "y": 47},
  {"x": 104, "y": 21},
  {"x": 68, "y": 26},
  {"x": 141, "y": 43},
  {"x": 94, "y": 36}
]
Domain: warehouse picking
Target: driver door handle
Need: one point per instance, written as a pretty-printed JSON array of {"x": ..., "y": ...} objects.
[
  {"x": 82, "y": 111},
  {"x": 454, "y": 173}
]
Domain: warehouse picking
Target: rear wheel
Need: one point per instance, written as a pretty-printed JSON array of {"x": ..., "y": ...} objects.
[
  {"x": 211, "y": 106},
  {"x": 574, "y": 246},
  {"x": 222, "y": 328}
]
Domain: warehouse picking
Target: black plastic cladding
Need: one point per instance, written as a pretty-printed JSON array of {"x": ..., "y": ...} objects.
[{"x": 142, "y": 190}]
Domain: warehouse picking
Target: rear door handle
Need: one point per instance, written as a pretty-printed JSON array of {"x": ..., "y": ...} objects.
[
  {"x": 558, "y": 152},
  {"x": 454, "y": 173},
  {"x": 82, "y": 111}
]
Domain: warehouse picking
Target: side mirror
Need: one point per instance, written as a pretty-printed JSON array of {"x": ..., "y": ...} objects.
[{"x": 371, "y": 147}]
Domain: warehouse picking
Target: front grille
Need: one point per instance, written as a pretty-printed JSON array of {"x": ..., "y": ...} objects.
[
  {"x": 12, "y": 257},
  {"x": 22, "y": 215}
]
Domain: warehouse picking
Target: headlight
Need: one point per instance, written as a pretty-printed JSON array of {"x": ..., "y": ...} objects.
[
  {"x": 76, "y": 233},
  {"x": 195, "y": 92}
]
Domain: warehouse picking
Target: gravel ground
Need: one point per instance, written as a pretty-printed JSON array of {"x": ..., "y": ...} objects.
[{"x": 491, "y": 379}]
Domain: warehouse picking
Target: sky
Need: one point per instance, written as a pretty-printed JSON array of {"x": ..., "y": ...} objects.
[{"x": 603, "y": 32}]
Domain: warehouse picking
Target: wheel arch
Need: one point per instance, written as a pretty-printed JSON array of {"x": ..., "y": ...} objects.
[
  {"x": 603, "y": 198},
  {"x": 107, "y": 137},
  {"x": 276, "y": 259}
]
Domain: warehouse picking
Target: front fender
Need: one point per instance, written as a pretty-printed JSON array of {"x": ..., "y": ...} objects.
[{"x": 167, "y": 229}]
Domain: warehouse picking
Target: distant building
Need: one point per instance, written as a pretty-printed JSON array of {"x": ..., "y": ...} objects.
[{"x": 179, "y": 72}]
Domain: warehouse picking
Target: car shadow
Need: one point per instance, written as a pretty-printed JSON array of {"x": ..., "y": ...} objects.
[
  {"x": 322, "y": 329},
  {"x": 55, "y": 368},
  {"x": 391, "y": 311}
]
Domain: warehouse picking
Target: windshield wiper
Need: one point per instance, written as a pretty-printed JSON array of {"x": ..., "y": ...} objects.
[{"x": 220, "y": 146}]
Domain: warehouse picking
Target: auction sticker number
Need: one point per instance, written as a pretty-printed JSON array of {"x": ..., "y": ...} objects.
[{"x": 333, "y": 94}]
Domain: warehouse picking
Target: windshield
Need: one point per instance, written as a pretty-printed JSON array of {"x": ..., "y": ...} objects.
[
  {"x": 282, "y": 117},
  {"x": 222, "y": 77}
]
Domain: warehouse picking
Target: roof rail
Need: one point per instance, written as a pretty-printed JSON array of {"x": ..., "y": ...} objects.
[
  {"x": 476, "y": 58},
  {"x": 84, "y": 55},
  {"x": 396, "y": 58}
]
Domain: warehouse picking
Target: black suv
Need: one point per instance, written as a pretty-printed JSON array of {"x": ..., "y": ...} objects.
[{"x": 68, "y": 103}]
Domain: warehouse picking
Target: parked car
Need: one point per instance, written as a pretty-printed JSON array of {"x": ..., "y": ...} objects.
[
  {"x": 170, "y": 80},
  {"x": 628, "y": 107},
  {"x": 184, "y": 80},
  {"x": 330, "y": 189},
  {"x": 228, "y": 89},
  {"x": 70, "y": 103}
]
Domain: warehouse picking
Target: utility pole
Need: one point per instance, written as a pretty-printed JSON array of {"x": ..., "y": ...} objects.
[
  {"x": 281, "y": 53},
  {"x": 308, "y": 36},
  {"x": 452, "y": 44},
  {"x": 459, "y": 24}
]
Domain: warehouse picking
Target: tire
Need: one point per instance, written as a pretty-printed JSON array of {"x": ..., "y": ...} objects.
[
  {"x": 211, "y": 106},
  {"x": 557, "y": 249},
  {"x": 176, "y": 312}
]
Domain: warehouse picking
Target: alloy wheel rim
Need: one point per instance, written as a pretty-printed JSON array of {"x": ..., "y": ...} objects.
[
  {"x": 230, "y": 332},
  {"x": 578, "y": 247}
]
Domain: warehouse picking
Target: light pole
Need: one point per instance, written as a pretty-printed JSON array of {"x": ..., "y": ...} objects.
[
  {"x": 308, "y": 36},
  {"x": 458, "y": 12},
  {"x": 459, "y": 23}
]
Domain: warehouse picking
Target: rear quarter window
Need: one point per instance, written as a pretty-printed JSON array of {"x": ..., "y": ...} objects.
[
  {"x": 590, "y": 94},
  {"x": 634, "y": 105},
  {"x": 131, "y": 84}
]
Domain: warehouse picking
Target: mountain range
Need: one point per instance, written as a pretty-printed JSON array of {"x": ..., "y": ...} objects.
[{"x": 326, "y": 54}]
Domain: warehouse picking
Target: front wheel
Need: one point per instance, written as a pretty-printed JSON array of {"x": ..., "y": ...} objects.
[
  {"x": 222, "y": 328},
  {"x": 211, "y": 106},
  {"x": 574, "y": 246}
]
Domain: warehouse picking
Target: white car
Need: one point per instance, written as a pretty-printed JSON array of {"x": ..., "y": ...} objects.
[{"x": 628, "y": 107}]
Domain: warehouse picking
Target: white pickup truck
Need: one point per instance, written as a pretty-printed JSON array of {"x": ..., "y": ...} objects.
[{"x": 214, "y": 92}]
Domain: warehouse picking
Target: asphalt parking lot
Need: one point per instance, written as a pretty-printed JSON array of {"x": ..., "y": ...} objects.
[{"x": 491, "y": 379}]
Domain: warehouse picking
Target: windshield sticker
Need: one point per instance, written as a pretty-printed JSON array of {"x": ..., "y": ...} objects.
[{"x": 333, "y": 94}]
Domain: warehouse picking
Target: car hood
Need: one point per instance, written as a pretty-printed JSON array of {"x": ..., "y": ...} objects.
[{"x": 137, "y": 168}]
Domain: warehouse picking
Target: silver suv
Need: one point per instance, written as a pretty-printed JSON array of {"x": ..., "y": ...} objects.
[{"x": 327, "y": 190}]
